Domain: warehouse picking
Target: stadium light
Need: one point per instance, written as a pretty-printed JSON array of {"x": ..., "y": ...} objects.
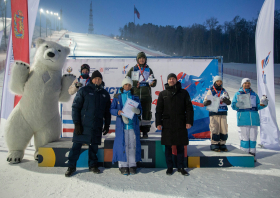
[{"x": 41, "y": 10}]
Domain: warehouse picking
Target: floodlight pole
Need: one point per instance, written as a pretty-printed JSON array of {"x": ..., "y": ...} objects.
[{"x": 5, "y": 28}]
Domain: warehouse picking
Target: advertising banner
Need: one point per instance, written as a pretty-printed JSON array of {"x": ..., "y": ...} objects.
[{"x": 196, "y": 76}]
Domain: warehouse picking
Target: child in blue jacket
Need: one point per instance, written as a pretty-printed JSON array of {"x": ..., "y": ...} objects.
[
  {"x": 127, "y": 146},
  {"x": 248, "y": 120}
]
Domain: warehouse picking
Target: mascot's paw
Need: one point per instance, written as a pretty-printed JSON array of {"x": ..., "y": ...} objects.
[
  {"x": 15, "y": 157},
  {"x": 21, "y": 67},
  {"x": 67, "y": 80}
]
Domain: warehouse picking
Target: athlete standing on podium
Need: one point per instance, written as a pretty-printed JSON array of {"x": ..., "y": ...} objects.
[
  {"x": 143, "y": 79},
  {"x": 82, "y": 81}
]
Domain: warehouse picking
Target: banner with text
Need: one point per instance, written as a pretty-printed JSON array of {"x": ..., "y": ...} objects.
[
  {"x": 24, "y": 14},
  {"x": 269, "y": 132},
  {"x": 196, "y": 76}
]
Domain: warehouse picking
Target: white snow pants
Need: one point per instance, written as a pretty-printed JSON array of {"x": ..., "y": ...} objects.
[
  {"x": 130, "y": 149},
  {"x": 248, "y": 138}
]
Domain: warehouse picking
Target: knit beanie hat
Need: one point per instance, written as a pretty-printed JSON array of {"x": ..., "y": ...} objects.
[
  {"x": 95, "y": 74},
  {"x": 85, "y": 66},
  {"x": 216, "y": 78},
  {"x": 171, "y": 75},
  {"x": 141, "y": 55},
  {"x": 245, "y": 80},
  {"x": 127, "y": 80}
]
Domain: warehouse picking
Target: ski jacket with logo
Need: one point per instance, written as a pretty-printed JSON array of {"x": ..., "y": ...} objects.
[
  {"x": 90, "y": 107},
  {"x": 247, "y": 117}
]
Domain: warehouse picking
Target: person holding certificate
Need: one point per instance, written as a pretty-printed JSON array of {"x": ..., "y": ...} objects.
[
  {"x": 127, "y": 146},
  {"x": 218, "y": 119},
  {"x": 248, "y": 118},
  {"x": 143, "y": 79}
]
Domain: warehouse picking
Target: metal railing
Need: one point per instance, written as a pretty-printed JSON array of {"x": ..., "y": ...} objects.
[{"x": 245, "y": 74}]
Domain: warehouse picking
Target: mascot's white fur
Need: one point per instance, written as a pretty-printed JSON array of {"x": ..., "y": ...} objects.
[{"x": 41, "y": 88}]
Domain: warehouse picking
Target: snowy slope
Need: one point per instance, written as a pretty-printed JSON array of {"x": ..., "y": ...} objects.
[
  {"x": 100, "y": 45},
  {"x": 28, "y": 180}
]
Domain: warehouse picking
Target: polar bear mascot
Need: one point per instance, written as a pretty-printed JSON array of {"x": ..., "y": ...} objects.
[{"x": 41, "y": 87}]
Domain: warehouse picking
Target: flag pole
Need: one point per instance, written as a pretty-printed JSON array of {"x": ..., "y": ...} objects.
[{"x": 134, "y": 14}]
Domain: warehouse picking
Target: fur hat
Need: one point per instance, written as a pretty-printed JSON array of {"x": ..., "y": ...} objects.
[
  {"x": 127, "y": 80},
  {"x": 216, "y": 78},
  {"x": 96, "y": 73},
  {"x": 245, "y": 80},
  {"x": 171, "y": 75}
]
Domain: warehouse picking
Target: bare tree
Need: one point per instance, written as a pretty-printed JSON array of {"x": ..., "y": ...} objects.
[{"x": 211, "y": 24}]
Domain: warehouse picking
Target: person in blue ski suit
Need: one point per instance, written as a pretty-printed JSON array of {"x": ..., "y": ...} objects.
[
  {"x": 248, "y": 119},
  {"x": 127, "y": 146}
]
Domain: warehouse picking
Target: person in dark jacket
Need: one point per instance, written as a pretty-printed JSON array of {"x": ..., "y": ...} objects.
[
  {"x": 142, "y": 88},
  {"x": 127, "y": 146},
  {"x": 90, "y": 106},
  {"x": 174, "y": 116}
]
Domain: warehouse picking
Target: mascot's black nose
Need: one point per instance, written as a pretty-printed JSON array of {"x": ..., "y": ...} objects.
[{"x": 50, "y": 54}]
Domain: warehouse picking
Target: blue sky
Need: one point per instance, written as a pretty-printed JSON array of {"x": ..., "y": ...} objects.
[{"x": 110, "y": 15}]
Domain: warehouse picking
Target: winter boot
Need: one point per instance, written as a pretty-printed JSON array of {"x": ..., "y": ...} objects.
[
  {"x": 132, "y": 170},
  {"x": 94, "y": 169},
  {"x": 215, "y": 147},
  {"x": 124, "y": 170},
  {"x": 183, "y": 171},
  {"x": 223, "y": 147},
  {"x": 145, "y": 130},
  {"x": 169, "y": 171},
  {"x": 254, "y": 154},
  {"x": 70, "y": 172},
  {"x": 145, "y": 135}
]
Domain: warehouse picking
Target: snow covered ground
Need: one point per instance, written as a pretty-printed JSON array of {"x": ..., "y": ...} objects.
[{"x": 28, "y": 180}]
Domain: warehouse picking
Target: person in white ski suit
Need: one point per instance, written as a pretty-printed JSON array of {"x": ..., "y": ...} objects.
[
  {"x": 82, "y": 81},
  {"x": 218, "y": 120}
]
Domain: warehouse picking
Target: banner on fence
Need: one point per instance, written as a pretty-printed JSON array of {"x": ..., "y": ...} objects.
[{"x": 196, "y": 76}]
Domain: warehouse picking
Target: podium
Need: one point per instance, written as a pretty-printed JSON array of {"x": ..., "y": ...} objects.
[{"x": 55, "y": 154}]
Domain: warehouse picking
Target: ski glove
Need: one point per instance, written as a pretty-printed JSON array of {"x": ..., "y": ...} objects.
[
  {"x": 135, "y": 110},
  {"x": 105, "y": 130},
  {"x": 125, "y": 120},
  {"x": 78, "y": 85},
  {"x": 207, "y": 102},
  {"x": 78, "y": 129},
  {"x": 227, "y": 101},
  {"x": 264, "y": 101},
  {"x": 239, "y": 104}
]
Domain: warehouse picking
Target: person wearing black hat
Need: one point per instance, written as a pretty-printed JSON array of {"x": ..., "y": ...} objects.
[
  {"x": 82, "y": 81},
  {"x": 143, "y": 79},
  {"x": 174, "y": 116},
  {"x": 90, "y": 106}
]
